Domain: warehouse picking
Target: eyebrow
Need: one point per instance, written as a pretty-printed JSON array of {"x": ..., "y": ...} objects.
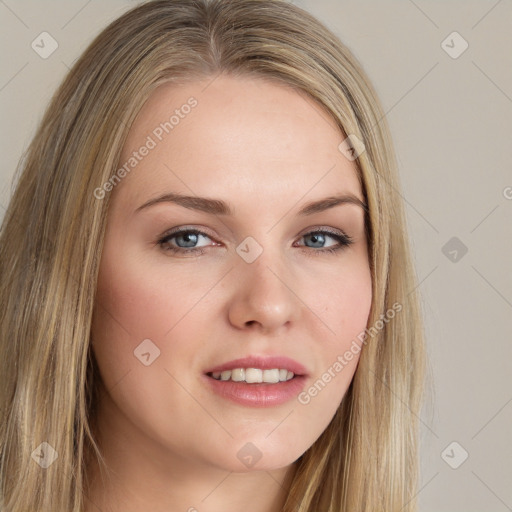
[{"x": 219, "y": 207}]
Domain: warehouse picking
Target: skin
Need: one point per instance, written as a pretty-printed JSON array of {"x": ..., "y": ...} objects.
[{"x": 267, "y": 150}]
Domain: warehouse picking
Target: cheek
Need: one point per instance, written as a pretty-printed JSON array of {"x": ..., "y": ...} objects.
[
  {"x": 133, "y": 306},
  {"x": 342, "y": 300},
  {"x": 130, "y": 308},
  {"x": 139, "y": 299},
  {"x": 353, "y": 300},
  {"x": 343, "y": 304}
]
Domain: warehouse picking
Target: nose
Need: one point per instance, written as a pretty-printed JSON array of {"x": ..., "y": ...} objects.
[{"x": 263, "y": 296}]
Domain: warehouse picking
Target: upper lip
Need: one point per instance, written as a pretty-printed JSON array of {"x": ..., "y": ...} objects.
[{"x": 263, "y": 362}]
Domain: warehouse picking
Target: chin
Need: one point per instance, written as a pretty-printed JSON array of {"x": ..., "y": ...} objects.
[{"x": 263, "y": 456}]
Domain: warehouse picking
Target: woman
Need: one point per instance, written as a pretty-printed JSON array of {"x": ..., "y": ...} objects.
[{"x": 207, "y": 293}]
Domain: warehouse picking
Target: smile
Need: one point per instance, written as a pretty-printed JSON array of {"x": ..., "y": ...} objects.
[{"x": 254, "y": 375}]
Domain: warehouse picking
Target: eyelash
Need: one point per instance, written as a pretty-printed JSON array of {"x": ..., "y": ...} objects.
[{"x": 343, "y": 239}]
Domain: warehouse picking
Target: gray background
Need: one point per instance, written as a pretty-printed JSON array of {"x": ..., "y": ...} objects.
[{"x": 451, "y": 123}]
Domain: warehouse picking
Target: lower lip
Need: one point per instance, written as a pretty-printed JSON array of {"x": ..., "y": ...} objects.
[{"x": 258, "y": 394}]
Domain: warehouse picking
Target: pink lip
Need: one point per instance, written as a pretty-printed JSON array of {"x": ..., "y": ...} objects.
[
  {"x": 265, "y": 363},
  {"x": 257, "y": 395}
]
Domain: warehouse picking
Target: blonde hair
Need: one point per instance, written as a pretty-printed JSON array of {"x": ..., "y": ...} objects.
[{"x": 52, "y": 234}]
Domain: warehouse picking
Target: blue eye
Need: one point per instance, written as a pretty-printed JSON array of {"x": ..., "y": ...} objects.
[
  {"x": 186, "y": 239},
  {"x": 320, "y": 236}
]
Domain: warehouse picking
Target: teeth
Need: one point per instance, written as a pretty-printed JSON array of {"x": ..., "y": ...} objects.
[
  {"x": 270, "y": 376},
  {"x": 254, "y": 375},
  {"x": 238, "y": 374}
]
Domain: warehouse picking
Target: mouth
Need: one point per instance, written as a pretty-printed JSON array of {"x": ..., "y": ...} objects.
[
  {"x": 257, "y": 381},
  {"x": 254, "y": 375}
]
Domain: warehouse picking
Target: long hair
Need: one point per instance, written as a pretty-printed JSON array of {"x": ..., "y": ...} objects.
[{"x": 52, "y": 235}]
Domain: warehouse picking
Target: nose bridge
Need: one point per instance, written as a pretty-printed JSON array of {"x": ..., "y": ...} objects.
[
  {"x": 262, "y": 291},
  {"x": 264, "y": 275}
]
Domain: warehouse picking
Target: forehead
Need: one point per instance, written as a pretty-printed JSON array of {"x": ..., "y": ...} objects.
[{"x": 235, "y": 138}]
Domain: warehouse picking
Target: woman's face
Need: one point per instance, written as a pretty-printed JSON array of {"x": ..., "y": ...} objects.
[{"x": 265, "y": 280}]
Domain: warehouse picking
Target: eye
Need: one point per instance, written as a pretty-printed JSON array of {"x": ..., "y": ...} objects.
[
  {"x": 319, "y": 237},
  {"x": 185, "y": 240}
]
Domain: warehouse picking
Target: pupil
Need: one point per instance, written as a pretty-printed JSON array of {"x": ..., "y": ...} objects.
[
  {"x": 187, "y": 238},
  {"x": 317, "y": 238}
]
